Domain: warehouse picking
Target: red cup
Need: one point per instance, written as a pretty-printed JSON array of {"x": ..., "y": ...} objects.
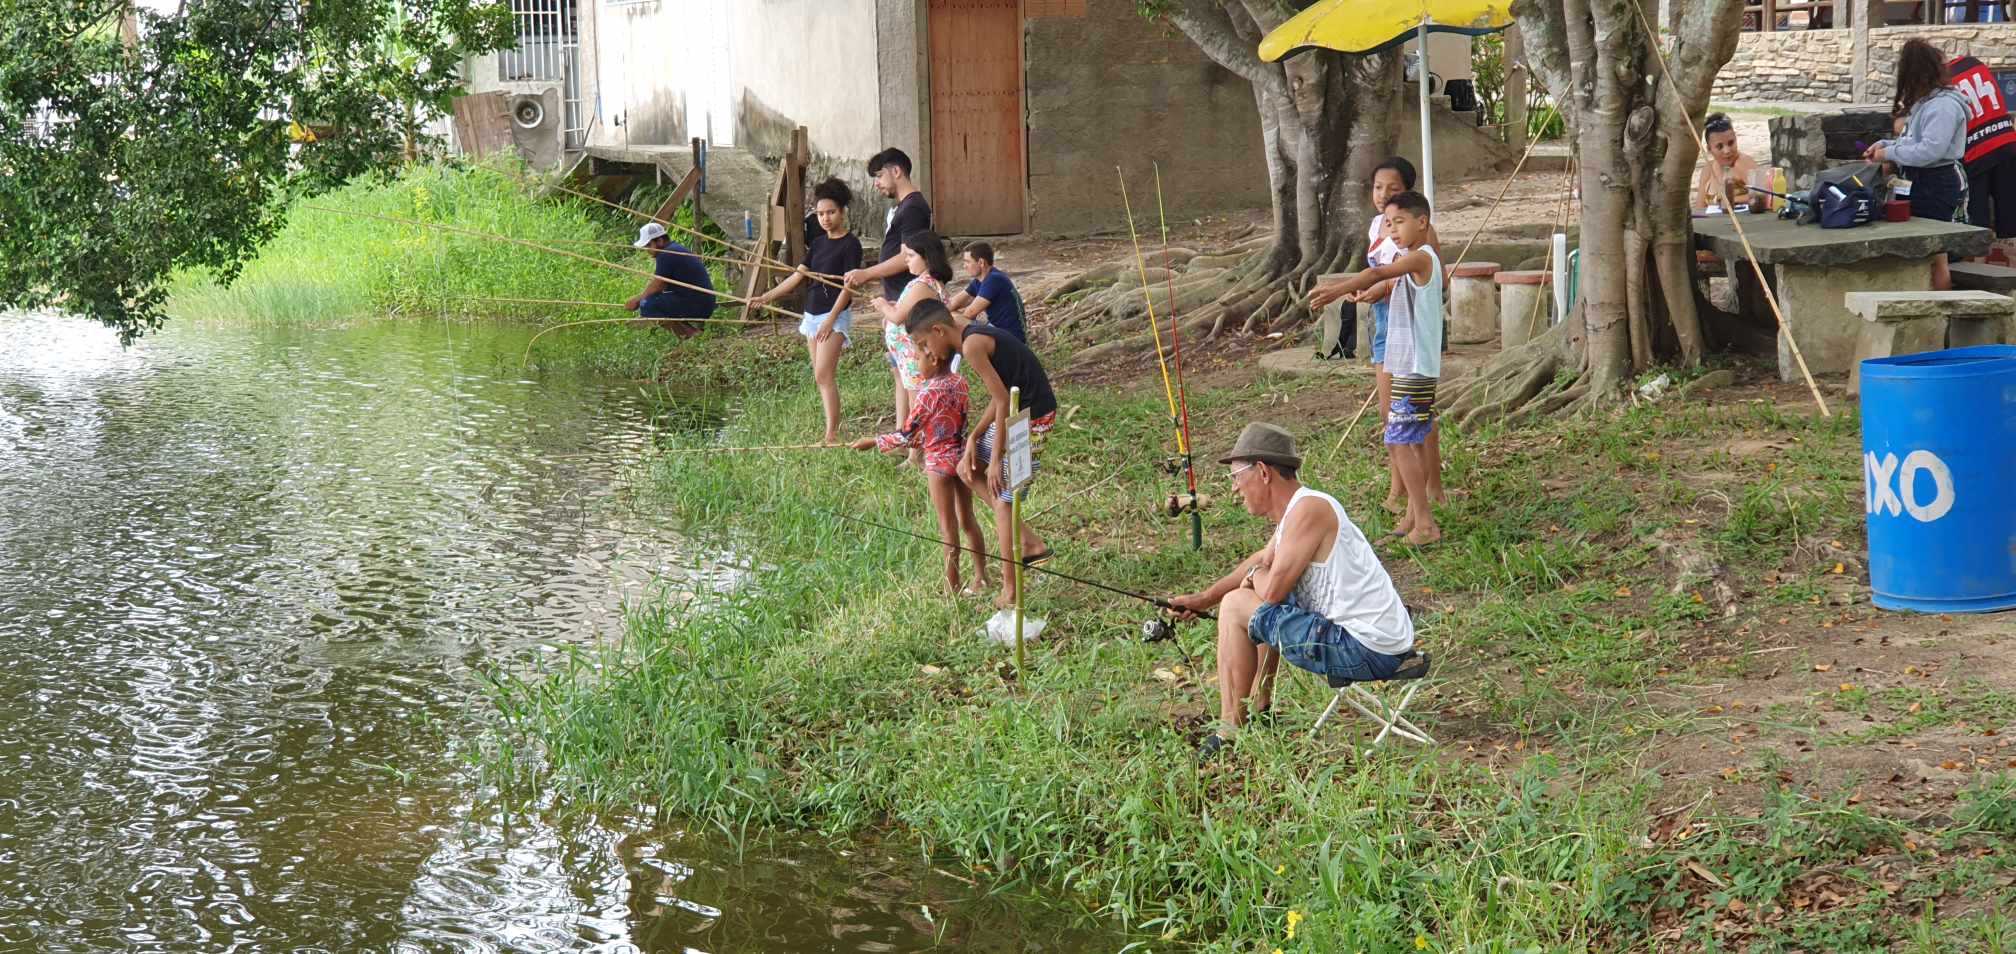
[{"x": 1897, "y": 210}]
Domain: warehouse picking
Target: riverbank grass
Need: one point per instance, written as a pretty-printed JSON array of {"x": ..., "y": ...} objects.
[
  {"x": 340, "y": 266},
  {"x": 1598, "y": 787}
]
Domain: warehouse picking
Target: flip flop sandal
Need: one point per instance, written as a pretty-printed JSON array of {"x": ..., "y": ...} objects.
[{"x": 1038, "y": 558}]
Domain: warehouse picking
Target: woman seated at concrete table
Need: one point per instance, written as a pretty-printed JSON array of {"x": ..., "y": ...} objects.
[
  {"x": 1929, "y": 150},
  {"x": 1725, "y": 177}
]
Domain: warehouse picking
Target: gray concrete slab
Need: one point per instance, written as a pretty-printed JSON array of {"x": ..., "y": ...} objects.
[
  {"x": 1984, "y": 277},
  {"x": 1779, "y": 242},
  {"x": 1911, "y": 305}
]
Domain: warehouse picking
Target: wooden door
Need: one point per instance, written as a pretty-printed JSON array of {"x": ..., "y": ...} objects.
[{"x": 977, "y": 174}]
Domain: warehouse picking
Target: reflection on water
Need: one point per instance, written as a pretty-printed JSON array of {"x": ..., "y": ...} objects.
[{"x": 247, "y": 579}]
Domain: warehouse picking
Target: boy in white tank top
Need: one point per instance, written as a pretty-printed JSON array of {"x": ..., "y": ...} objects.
[{"x": 1413, "y": 358}]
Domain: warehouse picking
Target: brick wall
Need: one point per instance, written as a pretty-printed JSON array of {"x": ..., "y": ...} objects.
[{"x": 1814, "y": 66}]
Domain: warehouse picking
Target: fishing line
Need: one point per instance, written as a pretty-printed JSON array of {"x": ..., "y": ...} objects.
[{"x": 1155, "y": 600}]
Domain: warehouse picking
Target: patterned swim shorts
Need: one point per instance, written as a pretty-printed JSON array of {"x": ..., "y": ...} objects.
[{"x": 1412, "y": 412}]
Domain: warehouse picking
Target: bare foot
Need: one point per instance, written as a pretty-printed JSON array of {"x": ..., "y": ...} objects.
[
  {"x": 1393, "y": 505},
  {"x": 1004, "y": 601},
  {"x": 1424, "y": 537}
]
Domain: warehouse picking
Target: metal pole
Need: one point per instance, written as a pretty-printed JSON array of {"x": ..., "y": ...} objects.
[
  {"x": 1013, "y": 550},
  {"x": 1427, "y": 140}
]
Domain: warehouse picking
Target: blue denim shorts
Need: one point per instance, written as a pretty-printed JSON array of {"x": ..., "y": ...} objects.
[
  {"x": 1379, "y": 332},
  {"x": 1311, "y": 642}
]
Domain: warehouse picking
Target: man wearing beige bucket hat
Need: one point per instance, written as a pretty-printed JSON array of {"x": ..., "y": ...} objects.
[{"x": 1316, "y": 593}]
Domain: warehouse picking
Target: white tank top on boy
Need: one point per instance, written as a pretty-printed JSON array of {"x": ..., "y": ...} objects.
[
  {"x": 1414, "y": 323},
  {"x": 1350, "y": 586}
]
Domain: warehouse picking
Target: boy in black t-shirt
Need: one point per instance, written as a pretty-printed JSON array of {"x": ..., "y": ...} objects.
[{"x": 890, "y": 169}]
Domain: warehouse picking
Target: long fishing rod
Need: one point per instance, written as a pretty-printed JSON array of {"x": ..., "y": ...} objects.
[
  {"x": 556, "y": 251},
  {"x": 543, "y": 332},
  {"x": 723, "y": 259},
  {"x": 696, "y": 233},
  {"x": 1182, "y": 395},
  {"x": 1155, "y": 329},
  {"x": 1145, "y": 598},
  {"x": 601, "y": 304}
]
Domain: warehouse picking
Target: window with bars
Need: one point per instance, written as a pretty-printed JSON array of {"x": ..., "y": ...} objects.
[{"x": 547, "y": 41}]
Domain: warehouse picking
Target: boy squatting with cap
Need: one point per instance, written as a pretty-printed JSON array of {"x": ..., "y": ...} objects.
[
  {"x": 679, "y": 286},
  {"x": 1413, "y": 355},
  {"x": 1316, "y": 594}
]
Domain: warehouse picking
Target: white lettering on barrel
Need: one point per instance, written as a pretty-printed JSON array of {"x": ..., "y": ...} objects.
[
  {"x": 1876, "y": 481},
  {"x": 1942, "y": 481},
  {"x": 1892, "y": 487}
]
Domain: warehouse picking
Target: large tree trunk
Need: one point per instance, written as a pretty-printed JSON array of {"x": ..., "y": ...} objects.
[
  {"x": 1326, "y": 120},
  {"x": 1631, "y": 126}
]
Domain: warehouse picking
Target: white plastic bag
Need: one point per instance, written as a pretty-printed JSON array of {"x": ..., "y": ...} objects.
[{"x": 1001, "y": 628}]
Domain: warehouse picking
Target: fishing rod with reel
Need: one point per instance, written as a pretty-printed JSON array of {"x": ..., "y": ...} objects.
[{"x": 1153, "y": 630}]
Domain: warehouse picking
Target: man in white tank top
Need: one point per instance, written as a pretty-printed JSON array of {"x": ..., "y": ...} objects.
[{"x": 1316, "y": 593}]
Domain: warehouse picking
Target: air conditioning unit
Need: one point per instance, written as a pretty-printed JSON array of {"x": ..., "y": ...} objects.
[{"x": 538, "y": 127}]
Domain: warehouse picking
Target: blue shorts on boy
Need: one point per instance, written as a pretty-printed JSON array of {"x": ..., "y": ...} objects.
[{"x": 1414, "y": 354}]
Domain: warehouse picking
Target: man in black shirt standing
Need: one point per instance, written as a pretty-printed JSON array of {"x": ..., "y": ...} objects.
[
  {"x": 890, "y": 169},
  {"x": 1001, "y": 361}
]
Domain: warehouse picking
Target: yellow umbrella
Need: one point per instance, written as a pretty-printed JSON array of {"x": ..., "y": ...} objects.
[
  {"x": 1365, "y": 26},
  {"x": 1369, "y": 26}
]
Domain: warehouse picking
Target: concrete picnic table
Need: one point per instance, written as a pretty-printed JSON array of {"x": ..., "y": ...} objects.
[{"x": 1812, "y": 269}]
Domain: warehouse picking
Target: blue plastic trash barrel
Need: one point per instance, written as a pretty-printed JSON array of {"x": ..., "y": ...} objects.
[{"x": 1939, "y": 479}]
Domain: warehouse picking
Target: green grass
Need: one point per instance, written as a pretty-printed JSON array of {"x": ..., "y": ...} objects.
[
  {"x": 802, "y": 699},
  {"x": 339, "y": 266}
]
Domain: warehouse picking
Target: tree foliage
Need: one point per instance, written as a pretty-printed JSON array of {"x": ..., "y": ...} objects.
[{"x": 134, "y": 144}]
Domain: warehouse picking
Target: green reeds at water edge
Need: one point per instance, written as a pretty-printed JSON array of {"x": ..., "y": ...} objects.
[{"x": 330, "y": 267}]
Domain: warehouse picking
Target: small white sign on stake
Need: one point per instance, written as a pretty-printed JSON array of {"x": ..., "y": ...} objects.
[{"x": 1018, "y": 459}]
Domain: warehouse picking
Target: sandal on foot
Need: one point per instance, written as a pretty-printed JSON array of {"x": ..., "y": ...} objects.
[{"x": 1036, "y": 558}]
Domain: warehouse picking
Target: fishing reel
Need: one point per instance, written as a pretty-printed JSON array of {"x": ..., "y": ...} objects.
[
  {"x": 1176, "y": 505},
  {"x": 1157, "y": 629},
  {"x": 1174, "y": 466}
]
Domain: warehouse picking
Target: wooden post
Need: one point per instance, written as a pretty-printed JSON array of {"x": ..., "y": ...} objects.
[
  {"x": 1769, "y": 19},
  {"x": 1859, "y": 13},
  {"x": 794, "y": 195},
  {"x": 1515, "y": 88},
  {"x": 756, "y": 269},
  {"x": 1013, "y": 551}
]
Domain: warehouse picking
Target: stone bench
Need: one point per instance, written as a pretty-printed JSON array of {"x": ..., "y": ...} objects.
[
  {"x": 1523, "y": 306},
  {"x": 1910, "y": 322},
  {"x": 1976, "y": 276},
  {"x": 1473, "y": 303}
]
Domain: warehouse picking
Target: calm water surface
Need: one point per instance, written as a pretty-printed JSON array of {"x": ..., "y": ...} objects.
[{"x": 249, "y": 578}]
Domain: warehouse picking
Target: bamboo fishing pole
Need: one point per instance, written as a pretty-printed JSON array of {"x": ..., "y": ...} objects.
[
  {"x": 605, "y": 304},
  {"x": 689, "y": 253},
  {"x": 527, "y": 359},
  {"x": 1176, "y": 347},
  {"x": 762, "y": 447},
  {"x": 696, "y": 233},
  {"x": 559, "y": 251}
]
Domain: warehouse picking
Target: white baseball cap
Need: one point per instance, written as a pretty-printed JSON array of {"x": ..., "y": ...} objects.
[{"x": 651, "y": 230}]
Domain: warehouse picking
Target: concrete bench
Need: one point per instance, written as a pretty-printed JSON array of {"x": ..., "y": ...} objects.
[
  {"x": 1978, "y": 276},
  {"x": 1910, "y": 322}
]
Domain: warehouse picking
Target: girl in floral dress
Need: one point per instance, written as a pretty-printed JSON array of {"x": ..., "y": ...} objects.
[
  {"x": 924, "y": 256},
  {"x": 937, "y": 429}
]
